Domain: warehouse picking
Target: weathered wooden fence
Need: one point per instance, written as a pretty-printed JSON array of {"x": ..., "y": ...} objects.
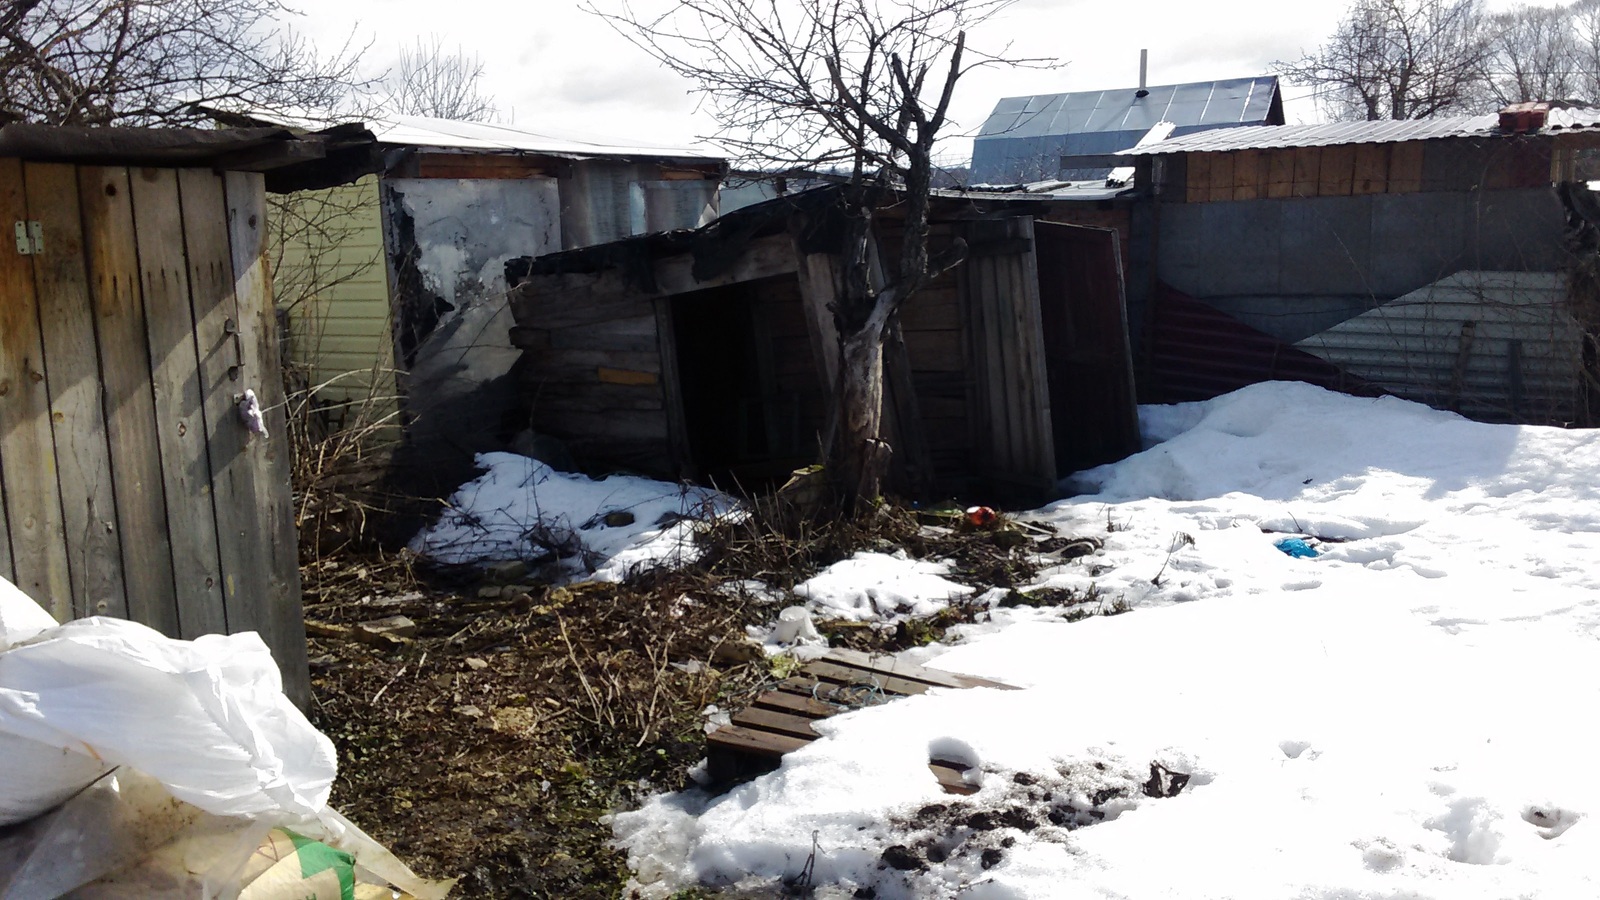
[{"x": 135, "y": 310}]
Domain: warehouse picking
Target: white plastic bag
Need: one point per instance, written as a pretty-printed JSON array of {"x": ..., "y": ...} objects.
[
  {"x": 20, "y": 617},
  {"x": 207, "y": 718}
]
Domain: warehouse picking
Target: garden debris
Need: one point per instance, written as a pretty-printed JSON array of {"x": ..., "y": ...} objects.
[{"x": 386, "y": 631}]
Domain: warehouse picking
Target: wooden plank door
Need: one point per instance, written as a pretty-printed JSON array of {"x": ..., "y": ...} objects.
[
  {"x": 282, "y": 622},
  {"x": 180, "y": 419},
  {"x": 1000, "y": 289},
  {"x": 111, "y": 255},
  {"x": 33, "y": 514},
  {"x": 77, "y": 416},
  {"x": 1090, "y": 365}
]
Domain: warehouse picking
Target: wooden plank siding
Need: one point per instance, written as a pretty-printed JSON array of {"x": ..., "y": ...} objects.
[
  {"x": 33, "y": 501},
  {"x": 1010, "y": 426},
  {"x": 123, "y": 341},
  {"x": 1343, "y": 170},
  {"x": 180, "y": 417},
  {"x": 82, "y": 453},
  {"x": 112, "y": 255},
  {"x": 267, "y": 459}
]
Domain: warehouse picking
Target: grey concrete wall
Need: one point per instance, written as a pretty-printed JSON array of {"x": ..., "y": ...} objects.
[{"x": 1295, "y": 267}]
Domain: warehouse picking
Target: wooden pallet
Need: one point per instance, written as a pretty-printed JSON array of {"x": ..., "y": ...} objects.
[{"x": 779, "y": 721}]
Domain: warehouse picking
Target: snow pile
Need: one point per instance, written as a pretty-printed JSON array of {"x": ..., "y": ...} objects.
[
  {"x": 521, "y": 508},
  {"x": 880, "y": 586},
  {"x": 1404, "y": 715}
]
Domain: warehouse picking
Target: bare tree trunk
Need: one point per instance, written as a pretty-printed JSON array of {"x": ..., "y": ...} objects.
[{"x": 860, "y": 456}]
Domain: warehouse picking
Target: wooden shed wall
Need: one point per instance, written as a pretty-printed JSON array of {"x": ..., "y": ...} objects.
[
  {"x": 128, "y": 483},
  {"x": 1347, "y": 170}
]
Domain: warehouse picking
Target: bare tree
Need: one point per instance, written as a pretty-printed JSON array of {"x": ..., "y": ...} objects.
[
  {"x": 861, "y": 87},
  {"x": 1533, "y": 55},
  {"x": 427, "y": 81},
  {"x": 141, "y": 62},
  {"x": 1585, "y": 19},
  {"x": 1398, "y": 59}
]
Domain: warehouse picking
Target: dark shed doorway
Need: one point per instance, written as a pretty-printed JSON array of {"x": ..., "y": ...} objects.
[
  {"x": 1083, "y": 312},
  {"x": 753, "y": 402}
]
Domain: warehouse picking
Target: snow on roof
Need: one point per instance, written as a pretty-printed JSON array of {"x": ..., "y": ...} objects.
[
  {"x": 422, "y": 131},
  {"x": 449, "y": 134},
  {"x": 1327, "y": 134}
]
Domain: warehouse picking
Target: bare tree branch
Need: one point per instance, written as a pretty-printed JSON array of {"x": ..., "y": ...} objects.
[
  {"x": 142, "y": 62},
  {"x": 428, "y": 81}
]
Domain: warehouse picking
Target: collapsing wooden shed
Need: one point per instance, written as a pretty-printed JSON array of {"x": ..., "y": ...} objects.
[
  {"x": 711, "y": 354},
  {"x": 135, "y": 313}
]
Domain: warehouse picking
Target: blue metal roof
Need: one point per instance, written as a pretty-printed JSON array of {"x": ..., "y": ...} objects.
[{"x": 1025, "y": 137}]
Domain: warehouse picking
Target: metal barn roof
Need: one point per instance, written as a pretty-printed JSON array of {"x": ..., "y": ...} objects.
[
  {"x": 1387, "y": 131},
  {"x": 1025, "y": 137}
]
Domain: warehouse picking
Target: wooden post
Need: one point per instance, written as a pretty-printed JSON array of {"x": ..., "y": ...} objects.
[{"x": 672, "y": 389}]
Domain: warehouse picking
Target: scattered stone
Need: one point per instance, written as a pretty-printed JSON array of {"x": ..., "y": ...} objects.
[
  {"x": 471, "y": 712},
  {"x": 477, "y": 664},
  {"x": 511, "y": 592},
  {"x": 508, "y": 571},
  {"x": 991, "y": 857},
  {"x": 618, "y": 519},
  {"x": 489, "y": 592},
  {"x": 388, "y": 630}
]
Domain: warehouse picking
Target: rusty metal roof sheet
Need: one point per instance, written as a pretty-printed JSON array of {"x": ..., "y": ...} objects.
[{"x": 1263, "y": 137}]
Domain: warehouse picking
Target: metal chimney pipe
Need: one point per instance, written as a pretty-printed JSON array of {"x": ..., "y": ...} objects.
[{"x": 1144, "y": 67}]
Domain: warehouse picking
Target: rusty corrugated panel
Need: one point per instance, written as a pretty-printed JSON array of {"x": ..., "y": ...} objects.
[
  {"x": 1200, "y": 352},
  {"x": 1495, "y": 346}
]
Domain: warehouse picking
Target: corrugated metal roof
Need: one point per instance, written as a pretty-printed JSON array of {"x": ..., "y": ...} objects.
[
  {"x": 1025, "y": 138},
  {"x": 1519, "y": 361},
  {"x": 1209, "y": 103},
  {"x": 1263, "y": 137}
]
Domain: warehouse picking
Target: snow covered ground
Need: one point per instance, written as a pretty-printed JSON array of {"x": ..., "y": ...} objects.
[
  {"x": 521, "y": 508},
  {"x": 1410, "y": 714}
]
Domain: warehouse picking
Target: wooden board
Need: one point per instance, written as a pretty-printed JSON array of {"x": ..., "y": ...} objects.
[
  {"x": 780, "y": 721},
  {"x": 1337, "y": 173},
  {"x": 112, "y": 260},
  {"x": 671, "y": 390},
  {"x": 1405, "y": 167},
  {"x": 82, "y": 454},
  {"x": 180, "y": 421},
  {"x": 1371, "y": 169},
  {"x": 1307, "y": 171},
  {"x": 1222, "y": 168},
  {"x": 1249, "y": 182},
  {"x": 241, "y": 546},
  {"x": 32, "y": 496},
  {"x": 1280, "y": 173},
  {"x": 258, "y": 332},
  {"x": 1198, "y": 189}
]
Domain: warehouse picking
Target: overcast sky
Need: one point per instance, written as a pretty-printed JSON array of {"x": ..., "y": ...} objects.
[{"x": 548, "y": 63}]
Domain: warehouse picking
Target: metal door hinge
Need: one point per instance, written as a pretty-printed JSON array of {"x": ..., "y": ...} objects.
[{"x": 30, "y": 238}]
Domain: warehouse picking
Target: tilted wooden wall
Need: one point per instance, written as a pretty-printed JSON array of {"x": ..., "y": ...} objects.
[{"x": 129, "y": 485}]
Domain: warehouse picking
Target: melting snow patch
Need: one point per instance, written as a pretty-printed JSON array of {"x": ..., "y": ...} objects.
[{"x": 521, "y": 508}]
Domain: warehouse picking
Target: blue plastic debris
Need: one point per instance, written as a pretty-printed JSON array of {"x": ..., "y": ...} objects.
[{"x": 1297, "y": 548}]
